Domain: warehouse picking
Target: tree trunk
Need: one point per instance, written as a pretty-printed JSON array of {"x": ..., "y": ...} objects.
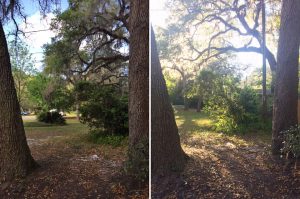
[
  {"x": 166, "y": 151},
  {"x": 286, "y": 89},
  {"x": 264, "y": 64},
  {"x": 199, "y": 104},
  {"x": 139, "y": 78},
  {"x": 185, "y": 100},
  {"x": 15, "y": 158},
  {"x": 77, "y": 105}
]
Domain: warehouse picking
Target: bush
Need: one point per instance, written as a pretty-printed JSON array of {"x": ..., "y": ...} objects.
[
  {"x": 105, "y": 110},
  {"x": 51, "y": 117},
  {"x": 97, "y": 137},
  {"x": 291, "y": 143}
]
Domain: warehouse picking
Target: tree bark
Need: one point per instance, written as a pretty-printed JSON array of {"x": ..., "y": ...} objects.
[
  {"x": 77, "y": 105},
  {"x": 139, "y": 74},
  {"x": 199, "y": 104},
  {"x": 185, "y": 100},
  {"x": 286, "y": 87},
  {"x": 166, "y": 152},
  {"x": 264, "y": 64},
  {"x": 15, "y": 158}
]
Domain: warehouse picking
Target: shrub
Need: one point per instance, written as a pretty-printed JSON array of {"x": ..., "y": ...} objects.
[
  {"x": 291, "y": 143},
  {"x": 51, "y": 117},
  {"x": 104, "y": 109},
  {"x": 233, "y": 109}
]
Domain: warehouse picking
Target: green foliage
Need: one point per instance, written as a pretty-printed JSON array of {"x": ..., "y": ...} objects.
[
  {"x": 174, "y": 89},
  {"x": 80, "y": 27},
  {"x": 234, "y": 109},
  {"x": 22, "y": 70},
  {"x": 60, "y": 98},
  {"x": 97, "y": 137},
  {"x": 104, "y": 108},
  {"x": 137, "y": 164},
  {"x": 51, "y": 117},
  {"x": 48, "y": 93},
  {"x": 291, "y": 143},
  {"x": 36, "y": 87}
]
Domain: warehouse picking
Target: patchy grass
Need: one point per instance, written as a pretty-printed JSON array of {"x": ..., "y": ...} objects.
[
  {"x": 198, "y": 125},
  {"x": 71, "y": 166},
  {"x": 226, "y": 166}
]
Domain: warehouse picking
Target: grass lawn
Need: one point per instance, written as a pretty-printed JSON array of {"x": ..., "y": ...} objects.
[
  {"x": 34, "y": 128},
  {"x": 198, "y": 125},
  {"x": 226, "y": 166}
]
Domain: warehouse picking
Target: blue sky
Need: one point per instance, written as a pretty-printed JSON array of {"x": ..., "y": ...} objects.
[{"x": 35, "y": 21}]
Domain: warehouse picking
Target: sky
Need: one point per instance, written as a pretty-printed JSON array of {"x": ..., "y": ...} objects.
[
  {"x": 159, "y": 15},
  {"x": 35, "y": 21}
]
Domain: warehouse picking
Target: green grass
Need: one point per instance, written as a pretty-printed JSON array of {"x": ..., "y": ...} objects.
[
  {"x": 198, "y": 125},
  {"x": 73, "y": 126},
  {"x": 74, "y": 133}
]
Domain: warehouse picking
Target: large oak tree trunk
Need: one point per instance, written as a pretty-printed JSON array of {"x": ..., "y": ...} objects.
[
  {"x": 15, "y": 157},
  {"x": 286, "y": 88},
  {"x": 166, "y": 151},
  {"x": 139, "y": 75}
]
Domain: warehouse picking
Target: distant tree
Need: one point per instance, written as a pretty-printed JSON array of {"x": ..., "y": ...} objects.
[
  {"x": 171, "y": 48},
  {"x": 94, "y": 34},
  {"x": 166, "y": 154},
  {"x": 92, "y": 42},
  {"x": 37, "y": 89},
  {"x": 232, "y": 18},
  {"x": 22, "y": 68},
  {"x": 286, "y": 89},
  {"x": 49, "y": 93}
]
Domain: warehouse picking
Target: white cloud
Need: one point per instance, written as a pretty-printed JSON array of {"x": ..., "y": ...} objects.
[{"x": 38, "y": 22}]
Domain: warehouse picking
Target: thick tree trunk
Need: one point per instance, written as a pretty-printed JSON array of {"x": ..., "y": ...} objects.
[
  {"x": 139, "y": 75},
  {"x": 166, "y": 151},
  {"x": 15, "y": 157},
  {"x": 286, "y": 89}
]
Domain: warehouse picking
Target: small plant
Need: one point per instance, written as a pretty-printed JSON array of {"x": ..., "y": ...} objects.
[
  {"x": 137, "y": 164},
  {"x": 51, "y": 117},
  {"x": 291, "y": 143}
]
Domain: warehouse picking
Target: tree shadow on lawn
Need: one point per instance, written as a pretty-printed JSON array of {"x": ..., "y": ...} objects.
[{"x": 223, "y": 166}]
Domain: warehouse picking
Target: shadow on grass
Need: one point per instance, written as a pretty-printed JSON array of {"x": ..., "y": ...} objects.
[{"x": 226, "y": 166}]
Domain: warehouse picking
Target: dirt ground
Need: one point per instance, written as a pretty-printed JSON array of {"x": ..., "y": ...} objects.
[
  {"x": 71, "y": 169},
  {"x": 222, "y": 166}
]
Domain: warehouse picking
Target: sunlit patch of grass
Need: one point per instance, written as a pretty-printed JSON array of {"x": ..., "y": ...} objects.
[{"x": 198, "y": 128}]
